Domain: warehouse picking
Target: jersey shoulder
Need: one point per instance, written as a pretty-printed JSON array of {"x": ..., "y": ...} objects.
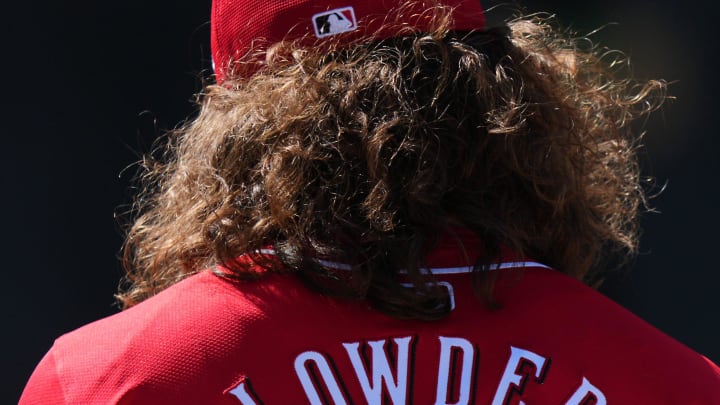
[
  {"x": 622, "y": 352},
  {"x": 185, "y": 333}
]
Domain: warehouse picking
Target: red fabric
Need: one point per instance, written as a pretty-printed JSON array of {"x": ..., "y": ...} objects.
[
  {"x": 206, "y": 340},
  {"x": 239, "y": 25}
]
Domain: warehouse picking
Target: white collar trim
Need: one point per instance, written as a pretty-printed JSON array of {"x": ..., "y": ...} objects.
[{"x": 432, "y": 270}]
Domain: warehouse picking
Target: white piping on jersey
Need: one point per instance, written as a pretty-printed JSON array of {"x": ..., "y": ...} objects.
[
  {"x": 324, "y": 263},
  {"x": 333, "y": 265},
  {"x": 494, "y": 266},
  {"x": 448, "y": 286},
  {"x": 433, "y": 270}
]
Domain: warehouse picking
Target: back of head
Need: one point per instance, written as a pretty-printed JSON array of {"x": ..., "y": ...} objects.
[{"x": 364, "y": 147}]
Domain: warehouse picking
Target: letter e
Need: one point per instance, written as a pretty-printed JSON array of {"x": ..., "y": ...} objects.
[{"x": 510, "y": 378}]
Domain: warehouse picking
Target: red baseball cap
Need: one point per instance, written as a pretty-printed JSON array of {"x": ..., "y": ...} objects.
[{"x": 241, "y": 26}]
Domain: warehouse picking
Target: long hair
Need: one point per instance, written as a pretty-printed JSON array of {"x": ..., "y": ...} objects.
[{"x": 366, "y": 154}]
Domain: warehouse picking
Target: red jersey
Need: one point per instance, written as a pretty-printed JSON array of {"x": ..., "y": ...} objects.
[{"x": 208, "y": 340}]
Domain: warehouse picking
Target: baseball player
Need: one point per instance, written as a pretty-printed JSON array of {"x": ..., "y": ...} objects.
[{"x": 385, "y": 202}]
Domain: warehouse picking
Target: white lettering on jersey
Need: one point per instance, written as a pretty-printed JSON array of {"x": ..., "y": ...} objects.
[
  {"x": 384, "y": 372},
  {"x": 328, "y": 378},
  {"x": 519, "y": 358},
  {"x": 449, "y": 348},
  {"x": 240, "y": 392},
  {"x": 587, "y": 390},
  {"x": 381, "y": 371}
]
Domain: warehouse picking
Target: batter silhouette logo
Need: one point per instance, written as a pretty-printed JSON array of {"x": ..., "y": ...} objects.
[{"x": 334, "y": 22}]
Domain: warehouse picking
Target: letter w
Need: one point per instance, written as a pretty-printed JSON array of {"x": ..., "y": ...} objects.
[{"x": 381, "y": 371}]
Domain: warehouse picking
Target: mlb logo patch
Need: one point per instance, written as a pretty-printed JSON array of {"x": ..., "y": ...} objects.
[{"x": 334, "y": 22}]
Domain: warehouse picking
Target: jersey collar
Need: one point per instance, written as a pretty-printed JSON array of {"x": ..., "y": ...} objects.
[{"x": 455, "y": 253}]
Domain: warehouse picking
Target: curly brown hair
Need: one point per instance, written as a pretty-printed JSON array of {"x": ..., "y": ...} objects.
[{"x": 366, "y": 154}]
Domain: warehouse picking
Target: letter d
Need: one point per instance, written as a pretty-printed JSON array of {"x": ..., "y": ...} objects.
[{"x": 447, "y": 368}]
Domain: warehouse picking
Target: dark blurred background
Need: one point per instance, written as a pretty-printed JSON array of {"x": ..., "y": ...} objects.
[{"x": 88, "y": 85}]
